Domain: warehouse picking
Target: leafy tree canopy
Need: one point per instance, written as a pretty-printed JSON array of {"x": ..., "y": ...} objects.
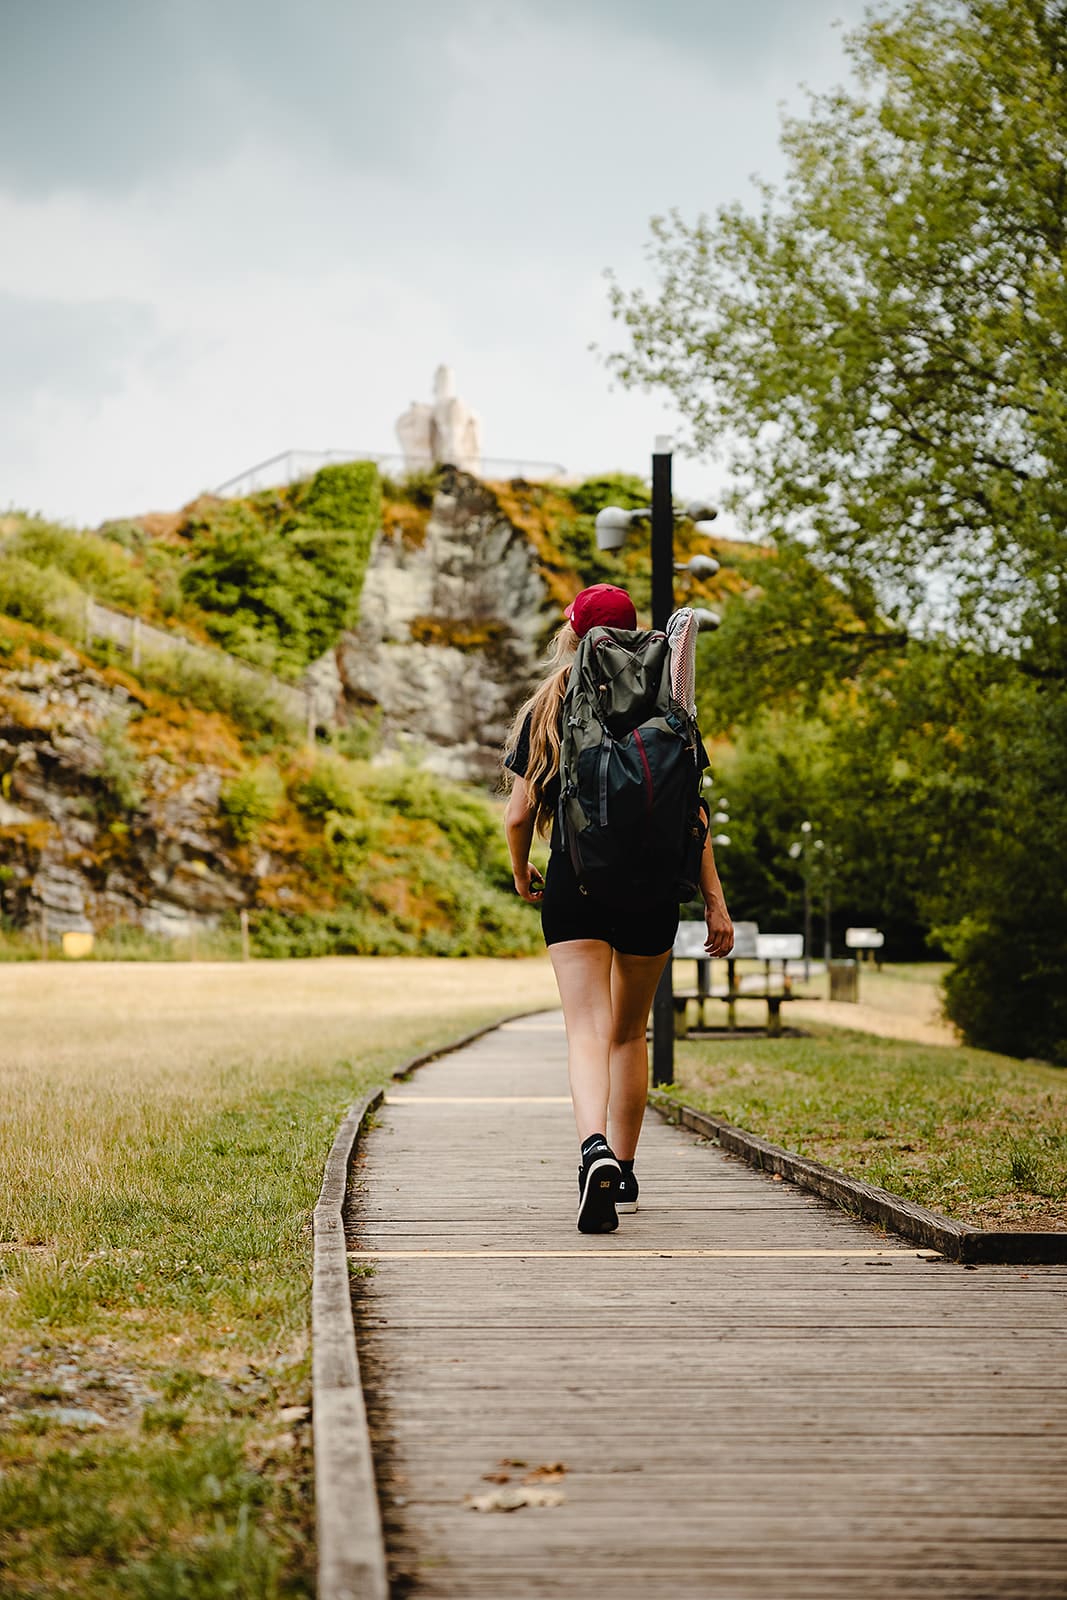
[{"x": 882, "y": 344}]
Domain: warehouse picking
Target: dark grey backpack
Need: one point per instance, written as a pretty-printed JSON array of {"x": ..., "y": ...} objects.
[{"x": 630, "y": 764}]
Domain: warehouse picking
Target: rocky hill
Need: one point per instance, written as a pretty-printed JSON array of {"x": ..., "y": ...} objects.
[{"x": 165, "y": 795}]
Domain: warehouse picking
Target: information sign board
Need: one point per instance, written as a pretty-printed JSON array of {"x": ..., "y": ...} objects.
[
  {"x": 780, "y": 946},
  {"x": 864, "y": 938}
]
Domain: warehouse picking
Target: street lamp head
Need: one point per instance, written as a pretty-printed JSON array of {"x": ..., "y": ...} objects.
[
  {"x": 700, "y": 566},
  {"x": 707, "y": 621},
  {"x": 612, "y": 526},
  {"x": 699, "y": 511}
]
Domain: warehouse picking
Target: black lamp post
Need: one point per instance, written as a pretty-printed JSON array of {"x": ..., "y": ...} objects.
[{"x": 612, "y": 526}]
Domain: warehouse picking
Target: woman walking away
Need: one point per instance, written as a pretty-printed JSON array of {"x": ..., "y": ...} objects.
[{"x": 610, "y": 718}]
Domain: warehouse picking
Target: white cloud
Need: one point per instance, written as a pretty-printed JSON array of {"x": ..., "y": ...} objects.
[{"x": 299, "y": 290}]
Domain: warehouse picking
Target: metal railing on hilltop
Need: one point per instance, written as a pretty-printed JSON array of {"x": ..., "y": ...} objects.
[{"x": 292, "y": 465}]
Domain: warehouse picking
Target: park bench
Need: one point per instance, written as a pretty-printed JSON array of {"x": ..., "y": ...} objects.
[{"x": 774, "y": 984}]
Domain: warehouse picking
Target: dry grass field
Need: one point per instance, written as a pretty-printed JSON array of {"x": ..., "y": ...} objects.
[{"x": 162, "y": 1141}]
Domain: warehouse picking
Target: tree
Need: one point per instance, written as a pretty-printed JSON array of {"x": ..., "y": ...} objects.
[
  {"x": 880, "y": 349},
  {"x": 883, "y": 342}
]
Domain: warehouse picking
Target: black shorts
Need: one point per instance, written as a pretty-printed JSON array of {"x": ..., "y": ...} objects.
[{"x": 567, "y": 913}]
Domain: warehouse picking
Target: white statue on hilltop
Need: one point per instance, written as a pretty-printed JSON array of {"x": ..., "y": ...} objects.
[{"x": 443, "y": 434}]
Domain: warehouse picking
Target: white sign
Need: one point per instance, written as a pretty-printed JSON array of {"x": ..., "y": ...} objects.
[
  {"x": 780, "y": 946},
  {"x": 746, "y": 939},
  {"x": 864, "y": 938},
  {"x": 689, "y": 941}
]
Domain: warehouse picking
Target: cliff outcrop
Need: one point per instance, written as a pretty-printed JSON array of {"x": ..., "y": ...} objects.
[{"x": 454, "y": 614}]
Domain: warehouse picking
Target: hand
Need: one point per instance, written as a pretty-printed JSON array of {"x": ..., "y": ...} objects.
[
  {"x": 720, "y": 939},
  {"x": 529, "y": 884}
]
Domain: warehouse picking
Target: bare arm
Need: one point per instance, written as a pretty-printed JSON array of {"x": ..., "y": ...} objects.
[
  {"x": 519, "y": 828},
  {"x": 720, "y": 929}
]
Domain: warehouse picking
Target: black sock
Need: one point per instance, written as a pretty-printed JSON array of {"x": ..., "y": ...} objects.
[
  {"x": 627, "y": 1166},
  {"x": 589, "y": 1144}
]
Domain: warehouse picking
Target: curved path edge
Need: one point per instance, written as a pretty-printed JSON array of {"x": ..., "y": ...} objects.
[
  {"x": 351, "y": 1547},
  {"x": 956, "y": 1240}
]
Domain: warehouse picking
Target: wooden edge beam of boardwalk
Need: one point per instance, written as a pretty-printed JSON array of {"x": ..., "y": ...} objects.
[
  {"x": 944, "y": 1235},
  {"x": 351, "y": 1551},
  {"x": 743, "y": 1394}
]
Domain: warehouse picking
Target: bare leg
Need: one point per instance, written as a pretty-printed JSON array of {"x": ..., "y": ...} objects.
[
  {"x": 583, "y": 973},
  {"x": 633, "y": 988}
]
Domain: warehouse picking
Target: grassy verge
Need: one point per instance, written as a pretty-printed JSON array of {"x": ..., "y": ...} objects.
[
  {"x": 978, "y": 1136},
  {"x": 162, "y": 1146}
]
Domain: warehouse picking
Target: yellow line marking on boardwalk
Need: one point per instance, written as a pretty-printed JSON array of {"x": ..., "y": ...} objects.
[
  {"x": 524, "y": 1255},
  {"x": 478, "y": 1100}
]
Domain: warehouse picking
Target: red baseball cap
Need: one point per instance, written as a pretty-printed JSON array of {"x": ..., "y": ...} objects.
[{"x": 601, "y": 606}]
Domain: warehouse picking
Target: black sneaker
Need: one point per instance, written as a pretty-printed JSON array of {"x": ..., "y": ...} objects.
[
  {"x": 626, "y": 1199},
  {"x": 598, "y": 1185}
]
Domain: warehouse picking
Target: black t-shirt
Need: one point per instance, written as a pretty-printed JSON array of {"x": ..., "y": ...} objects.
[{"x": 519, "y": 760}]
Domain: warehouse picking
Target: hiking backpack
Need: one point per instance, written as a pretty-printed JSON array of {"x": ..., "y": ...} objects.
[{"x": 630, "y": 763}]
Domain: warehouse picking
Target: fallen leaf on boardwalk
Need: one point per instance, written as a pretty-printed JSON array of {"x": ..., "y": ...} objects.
[
  {"x": 511, "y": 1461},
  {"x": 513, "y": 1499},
  {"x": 550, "y": 1472},
  {"x": 777, "y": 1178},
  {"x": 498, "y": 1500},
  {"x": 543, "y": 1497},
  {"x": 496, "y": 1477}
]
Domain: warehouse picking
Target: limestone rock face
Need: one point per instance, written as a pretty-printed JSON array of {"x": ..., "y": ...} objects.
[
  {"x": 450, "y": 634},
  {"x": 77, "y": 854}
]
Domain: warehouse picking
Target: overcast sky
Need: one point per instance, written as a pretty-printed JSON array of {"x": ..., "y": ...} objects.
[{"x": 234, "y": 227}]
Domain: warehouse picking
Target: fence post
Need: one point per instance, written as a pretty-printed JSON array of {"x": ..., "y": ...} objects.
[{"x": 246, "y": 943}]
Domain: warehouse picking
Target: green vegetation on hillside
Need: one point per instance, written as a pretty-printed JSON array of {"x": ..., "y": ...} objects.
[
  {"x": 329, "y": 854},
  {"x": 274, "y": 578},
  {"x": 278, "y": 576}
]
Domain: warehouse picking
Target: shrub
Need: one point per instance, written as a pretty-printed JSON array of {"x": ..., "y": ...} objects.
[
  {"x": 610, "y": 489},
  {"x": 330, "y": 787},
  {"x": 218, "y": 686},
  {"x": 40, "y": 596},
  {"x": 119, "y": 770},
  {"x": 278, "y": 576},
  {"x": 100, "y": 565},
  {"x": 1006, "y": 992},
  {"x": 251, "y": 800}
]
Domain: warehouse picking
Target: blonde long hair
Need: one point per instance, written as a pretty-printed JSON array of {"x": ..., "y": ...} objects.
[{"x": 543, "y": 708}]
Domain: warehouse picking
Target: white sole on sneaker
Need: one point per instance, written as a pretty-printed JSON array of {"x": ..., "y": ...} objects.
[
  {"x": 627, "y": 1206},
  {"x": 600, "y": 1185}
]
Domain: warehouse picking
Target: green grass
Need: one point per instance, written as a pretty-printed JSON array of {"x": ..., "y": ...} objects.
[
  {"x": 978, "y": 1136},
  {"x": 163, "y": 1143}
]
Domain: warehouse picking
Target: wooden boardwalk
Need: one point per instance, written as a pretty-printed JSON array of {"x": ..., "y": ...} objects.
[{"x": 798, "y": 1407}]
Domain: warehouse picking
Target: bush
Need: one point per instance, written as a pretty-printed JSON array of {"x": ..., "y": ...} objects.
[
  {"x": 41, "y": 596},
  {"x": 610, "y": 489},
  {"x": 1007, "y": 991},
  {"x": 250, "y": 801},
  {"x": 218, "y": 686},
  {"x": 119, "y": 770},
  {"x": 331, "y": 786},
  {"x": 100, "y": 565},
  {"x": 279, "y": 576}
]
